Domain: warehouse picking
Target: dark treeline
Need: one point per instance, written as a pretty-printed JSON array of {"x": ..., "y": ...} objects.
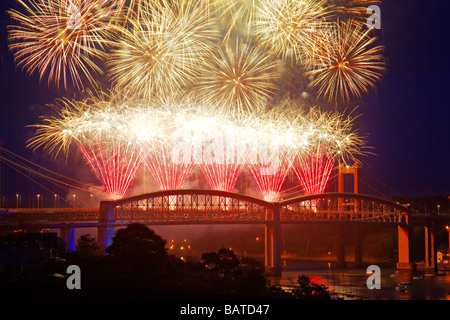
[{"x": 138, "y": 265}]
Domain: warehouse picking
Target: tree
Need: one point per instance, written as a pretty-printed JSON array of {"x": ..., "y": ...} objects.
[
  {"x": 227, "y": 260},
  {"x": 210, "y": 261},
  {"x": 87, "y": 246},
  {"x": 309, "y": 290},
  {"x": 224, "y": 261},
  {"x": 137, "y": 250}
]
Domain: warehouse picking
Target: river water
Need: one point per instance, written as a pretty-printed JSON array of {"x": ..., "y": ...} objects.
[{"x": 350, "y": 283}]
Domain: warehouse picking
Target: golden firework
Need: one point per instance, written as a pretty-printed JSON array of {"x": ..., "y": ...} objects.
[
  {"x": 162, "y": 50},
  {"x": 61, "y": 39},
  {"x": 348, "y": 64},
  {"x": 240, "y": 77},
  {"x": 353, "y": 9},
  {"x": 286, "y": 26}
]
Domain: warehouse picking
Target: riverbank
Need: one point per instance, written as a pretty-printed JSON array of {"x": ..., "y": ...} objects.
[
  {"x": 350, "y": 283},
  {"x": 332, "y": 261}
]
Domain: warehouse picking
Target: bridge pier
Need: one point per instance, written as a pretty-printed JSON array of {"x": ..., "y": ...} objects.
[
  {"x": 68, "y": 236},
  {"x": 340, "y": 249},
  {"x": 272, "y": 252},
  {"x": 430, "y": 250},
  {"x": 358, "y": 248},
  {"x": 404, "y": 234},
  {"x": 105, "y": 233}
]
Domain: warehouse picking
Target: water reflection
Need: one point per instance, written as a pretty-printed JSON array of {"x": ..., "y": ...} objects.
[{"x": 350, "y": 283}]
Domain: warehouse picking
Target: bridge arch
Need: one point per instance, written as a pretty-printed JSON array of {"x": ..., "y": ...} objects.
[
  {"x": 335, "y": 206},
  {"x": 190, "y": 206},
  {"x": 200, "y": 206}
]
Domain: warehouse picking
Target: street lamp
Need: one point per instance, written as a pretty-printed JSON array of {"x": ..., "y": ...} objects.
[
  {"x": 38, "y": 196},
  {"x": 448, "y": 230},
  {"x": 56, "y": 196},
  {"x": 17, "y": 200},
  {"x": 438, "y": 206},
  {"x": 74, "y": 200}
]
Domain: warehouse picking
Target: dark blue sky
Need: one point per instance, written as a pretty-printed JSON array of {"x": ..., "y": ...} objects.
[{"x": 407, "y": 119}]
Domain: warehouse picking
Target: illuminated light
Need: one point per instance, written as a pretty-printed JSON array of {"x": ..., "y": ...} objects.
[
  {"x": 347, "y": 64},
  {"x": 45, "y": 41},
  {"x": 314, "y": 170},
  {"x": 115, "y": 140},
  {"x": 240, "y": 77},
  {"x": 160, "y": 48},
  {"x": 289, "y": 27}
]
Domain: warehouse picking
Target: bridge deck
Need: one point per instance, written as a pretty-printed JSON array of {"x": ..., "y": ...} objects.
[{"x": 218, "y": 207}]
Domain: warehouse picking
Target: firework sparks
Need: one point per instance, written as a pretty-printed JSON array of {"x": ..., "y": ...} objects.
[
  {"x": 96, "y": 126},
  {"x": 162, "y": 49},
  {"x": 238, "y": 14},
  {"x": 313, "y": 170},
  {"x": 286, "y": 26},
  {"x": 61, "y": 39},
  {"x": 239, "y": 77},
  {"x": 348, "y": 65},
  {"x": 276, "y": 134},
  {"x": 116, "y": 135},
  {"x": 354, "y": 9},
  {"x": 223, "y": 156}
]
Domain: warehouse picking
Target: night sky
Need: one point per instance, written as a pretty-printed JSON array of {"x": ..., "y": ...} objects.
[{"x": 406, "y": 119}]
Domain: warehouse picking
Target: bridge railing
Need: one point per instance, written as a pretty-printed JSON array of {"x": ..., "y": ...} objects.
[
  {"x": 340, "y": 207},
  {"x": 217, "y": 206},
  {"x": 191, "y": 207},
  {"x": 49, "y": 214}
]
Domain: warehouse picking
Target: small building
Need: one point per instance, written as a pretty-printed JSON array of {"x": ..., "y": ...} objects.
[{"x": 442, "y": 256}]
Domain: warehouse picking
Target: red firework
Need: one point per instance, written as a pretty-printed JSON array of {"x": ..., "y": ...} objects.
[
  {"x": 222, "y": 176},
  {"x": 169, "y": 173},
  {"x": 270, "y": 176},
  {"x": 222, "y": 163},
  {"x": 313, "y": 170},
  {"x": 114, "y": 162}
]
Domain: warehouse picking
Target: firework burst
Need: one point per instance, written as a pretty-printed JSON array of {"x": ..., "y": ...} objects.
[
  {"x": 239, "y": 77},
  {"x": 61, "y": 40},
  {"x": 115, "y": 135},
  {"x": 353, "y": 9},
  {"x": 288, "y": 26},
  {"x": 96, "y": 125},
  {"x": 348, "y": 65},
  {"x": 313, "y": 169},
  {"x": 238, "y": 15},
  {"x": 162, "y": 49}
]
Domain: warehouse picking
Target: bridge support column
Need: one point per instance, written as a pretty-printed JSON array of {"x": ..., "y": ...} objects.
[
  {"x": 404, "y": 244},
  {"x": 68, "y": 236},
  {"x": 358, "y": 249},
  {"x": 430, "y": 250},
  {"x": 104, "y": 236},
  {"x": 273, "y": 243},
  {"x": 105, "y": 232},
  {"x": 340, "y": 249}
]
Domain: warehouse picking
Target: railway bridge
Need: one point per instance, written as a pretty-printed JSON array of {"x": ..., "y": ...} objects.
[{"x": 198, "y": 206}]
